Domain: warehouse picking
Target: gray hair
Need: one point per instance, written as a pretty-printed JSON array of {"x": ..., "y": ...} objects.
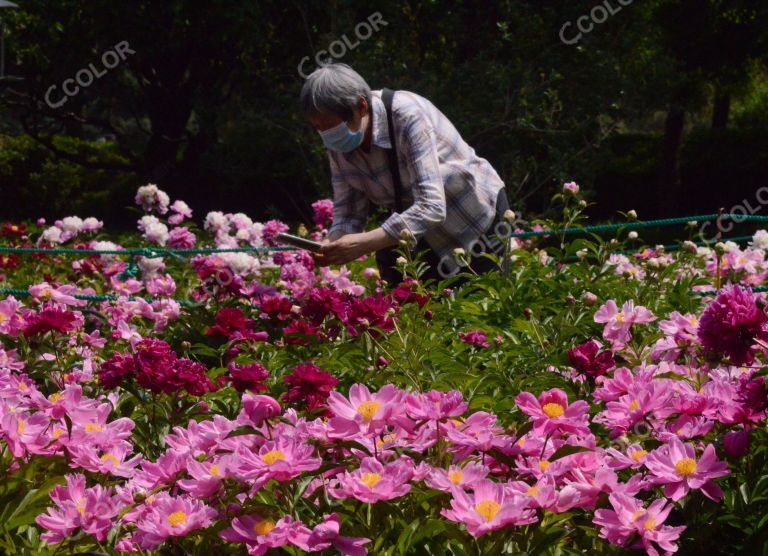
[{"x": 334, "y": 89}]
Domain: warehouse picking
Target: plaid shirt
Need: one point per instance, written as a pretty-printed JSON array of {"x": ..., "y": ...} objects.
[{"x": 450, "y": 190}]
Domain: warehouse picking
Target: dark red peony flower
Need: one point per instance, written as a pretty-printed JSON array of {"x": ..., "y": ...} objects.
[
  {"x": 228, "y": 321},
  {"x": 586, "y": 359},
  {"x": 116, "y": 369},
  {"x": 310, "y": 387},
  {"x": 277, "y": 307},
  {"x": 323, "y": 302},
  {"x": 52, "y": 319},
  {"x": 375, "y": 311},
  {"x": 248, "y": 377},
  {"x": 731, "y": 324},
  {"x": 406, "y": 293},
  {"x": 160, "y": 370},
  {"x": 301, "y": 332}
]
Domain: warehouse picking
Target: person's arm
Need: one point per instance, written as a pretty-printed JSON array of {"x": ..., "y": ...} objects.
[
  {"x": 352, "y": 246},
  {"x": 417, "y": 145}
]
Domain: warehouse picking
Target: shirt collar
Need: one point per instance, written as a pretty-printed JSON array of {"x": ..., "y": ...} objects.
[{"x": 380, "y": 127}]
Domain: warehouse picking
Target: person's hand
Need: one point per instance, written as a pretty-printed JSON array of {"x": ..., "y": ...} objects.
[
  {"x": 343, "y": 250},
  {"x": 318, "y": 257}
]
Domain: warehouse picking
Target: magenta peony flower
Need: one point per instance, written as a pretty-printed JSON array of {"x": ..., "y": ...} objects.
[
  {"x": 731, "y": 324},
  {"x": 736, "y": 443},
  {"x": 629, "y": 520},
  {"x": 488, "y": 508},
  {"x": 270, "y": 230},
  {"x": 675, "y": 466},
  {"x": 323, "y": 209},
  {"x": 586, "y": 360},
  {"x": 475, "y": 338},
  {"x": 181, "y": 238},
  {"x": 373, "y": 481}
]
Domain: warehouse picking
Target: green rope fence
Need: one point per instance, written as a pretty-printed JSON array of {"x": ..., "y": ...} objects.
[
  {"x": 87, "y": 297},
  {"x": 180, "y": 253}
]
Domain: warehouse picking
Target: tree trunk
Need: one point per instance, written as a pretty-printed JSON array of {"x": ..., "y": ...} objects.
[
  {"x": 720, "y": 111},
  {"x": 669, "y": 186}
]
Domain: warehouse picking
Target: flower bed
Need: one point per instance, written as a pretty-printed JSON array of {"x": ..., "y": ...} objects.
[{"x": 611, "y": 404}]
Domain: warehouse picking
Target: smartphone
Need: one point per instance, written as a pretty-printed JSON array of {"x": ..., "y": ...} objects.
[{"x": 299, "y": 242}]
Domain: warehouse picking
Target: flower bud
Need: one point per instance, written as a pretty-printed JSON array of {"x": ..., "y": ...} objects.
[
  {"x": 689, "y": 246},
  {"x": 589, "y": 298},
  {"x": 582, "y": 204},
  {"x": 632, "y": 214},
  {"x": 571, "y": 188},
  {"x": 401, "y": 261},
  {"x": 736, "y": 443},
  {"x": 581, "y": 254},
  {"x": 509, "y": 215},
  {"x": 459, "y": 252},
  {"x": 302, "y": 231},
  {"x": 719, "y": 247}
]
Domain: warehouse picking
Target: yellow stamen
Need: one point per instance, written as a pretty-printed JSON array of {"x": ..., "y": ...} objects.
[
  {"x": 56, "y": 396},
  {"x": 639, "y": 454},
  {"x": 487, "y": 509},
  {"x": 553, "y": 410},
  {"x": 544, "y": 464},
  {"x": 370, "y": 479},
  {"x": 634, "y": 405},
  {"x": 264, "y": 527},
  {"x": 685, "y": 467},
  {"x": 521, "y": 441},
  {"x": 368, "y": 410},
  {"x": 637, "y": 515},
  {"x": 215, "y": 470},
  {"x": 20, "y": 427},
  {"x": 533, "y": 491},
  {"x": 177, "y": 518},
  {"x": 111, "y": 458},
  {"x": 620, "y": 317},
  {"x": 23, "y": 386},
  {"x": 272, "y": 456},
  {"x": 93, "y": 427},
  {"x": 455, "y": 477},
  {"x": 650, "y": 523}
]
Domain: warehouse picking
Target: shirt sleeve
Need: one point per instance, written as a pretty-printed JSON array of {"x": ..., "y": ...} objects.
[
  {"x": 350, "y": 206},
  {"x": 417, "y": 148}
]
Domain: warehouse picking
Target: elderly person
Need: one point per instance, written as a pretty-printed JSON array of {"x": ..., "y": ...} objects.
[{"x": 398, "y": 151}]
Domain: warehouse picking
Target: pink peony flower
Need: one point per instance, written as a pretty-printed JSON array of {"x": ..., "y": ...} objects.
[
  {"x": 281, "y": 459},
  {"x": 365, "y": 413},
  {"x": 91, "y": 510},
  {"x": 260, "y": 533},
  {"x": 326, "y": 535},
  {"x": 489, "y": 508},
  {"x": 619, "y": 322},
  {"x": 475, "y": 338},
  {"x": 552, "y": 413},
  {"x": 373, "y": 481},
  {"x": 258, "y": 408},
  {"x": 464, "y": 477},
  {"x": 675, "y": 466},
  {"x": 629, "y": 520},
  {"x": 435, "y": 405},
  {"x": 323, "y": 209},
  {"x": 170, "y": 516}
]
